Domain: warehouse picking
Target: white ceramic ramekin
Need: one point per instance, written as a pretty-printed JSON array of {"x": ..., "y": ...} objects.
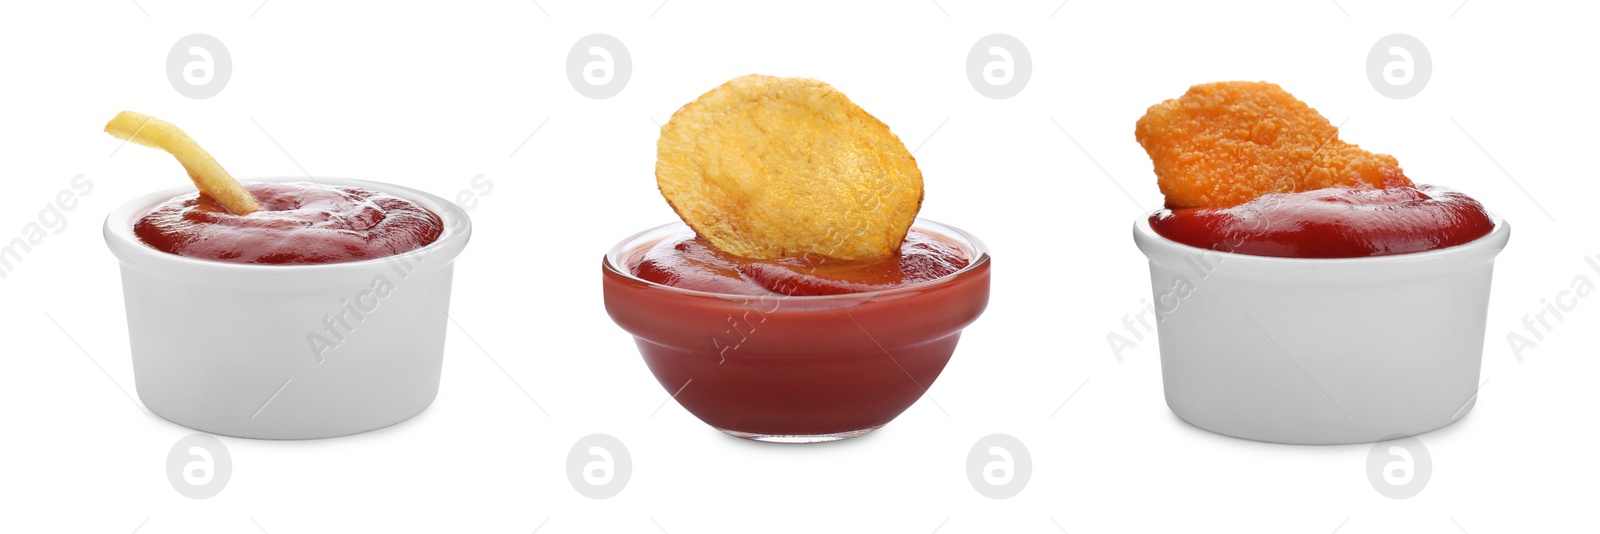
[
  {"x": 1320, "y": 351},
  {"x": 287, "y": 351}
]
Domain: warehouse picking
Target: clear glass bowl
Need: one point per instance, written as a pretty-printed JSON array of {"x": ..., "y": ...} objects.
[{"x": 796, "y": 369}]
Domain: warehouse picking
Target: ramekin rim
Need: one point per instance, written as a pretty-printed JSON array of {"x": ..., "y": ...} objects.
[
  {"x": 1496, "y": 238},
  {"x": 127, "y": 242}
]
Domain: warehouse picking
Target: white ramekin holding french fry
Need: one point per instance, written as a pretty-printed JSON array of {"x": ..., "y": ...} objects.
[{"x": 287, "y": 351}]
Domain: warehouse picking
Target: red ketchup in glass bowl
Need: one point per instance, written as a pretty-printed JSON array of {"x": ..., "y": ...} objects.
[{"x": 801, "y": 349}]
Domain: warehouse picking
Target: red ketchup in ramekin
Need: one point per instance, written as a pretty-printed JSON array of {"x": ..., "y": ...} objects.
[
  {"x": 1332, "y": 223},
  {"x": 298, "y": 223}
]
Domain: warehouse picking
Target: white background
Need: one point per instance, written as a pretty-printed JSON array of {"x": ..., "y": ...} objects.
[{"x": 431, "y": 95}]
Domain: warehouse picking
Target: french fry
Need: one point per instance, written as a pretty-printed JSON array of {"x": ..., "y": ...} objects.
[
  {"x": 208, "y": 175},
  {"x": 766, "y": 167}
]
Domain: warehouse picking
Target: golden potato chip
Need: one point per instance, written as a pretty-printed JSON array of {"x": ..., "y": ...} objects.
[
  {"x": 1223, "y": 144},
  {"x": 767, "y": 167},
  {"x": 207, "y": 175}
]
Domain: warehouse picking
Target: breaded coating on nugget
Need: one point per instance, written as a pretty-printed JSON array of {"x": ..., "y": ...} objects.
[{"x": 1223, "y": 144}]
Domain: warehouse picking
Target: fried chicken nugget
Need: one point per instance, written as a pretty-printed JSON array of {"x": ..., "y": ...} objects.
[
  {"x": 1223, "y": 144},
  {"x": 766, "y": 167}
]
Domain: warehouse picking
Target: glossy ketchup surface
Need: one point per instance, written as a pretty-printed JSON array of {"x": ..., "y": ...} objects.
[
  {"x": 691, "y": 263},
  {"x": 1332, "y": 223},
  {"x": 299, "y": 223}
]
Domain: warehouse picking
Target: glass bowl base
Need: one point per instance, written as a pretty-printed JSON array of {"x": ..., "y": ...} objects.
[{"x": 805, "y": 438}]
